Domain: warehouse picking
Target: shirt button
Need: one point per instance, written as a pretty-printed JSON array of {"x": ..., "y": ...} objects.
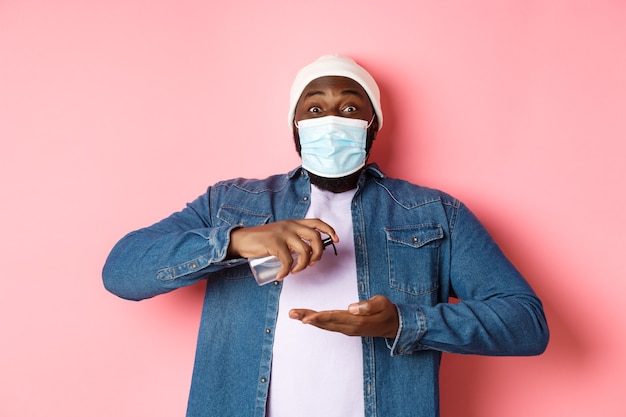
[
  {"x": 305, "y": 198},
  {"x": 415, "y": 239},
  {"x": 268, "y": 331},
  {"x": 275, "y": 283},
  {"x": 263, "y": 380},
  {"x": 194, "y": 266}
]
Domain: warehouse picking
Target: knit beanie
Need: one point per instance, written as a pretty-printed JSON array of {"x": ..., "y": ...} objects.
[{"x": 340, "y": 66}]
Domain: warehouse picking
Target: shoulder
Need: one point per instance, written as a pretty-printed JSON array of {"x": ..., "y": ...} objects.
[
  {"x": 411, "y": 195},
  {"x": 272, "y": 183}
]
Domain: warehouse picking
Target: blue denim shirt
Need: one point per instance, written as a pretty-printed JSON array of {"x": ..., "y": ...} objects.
[{"x": 415, "y": 245}]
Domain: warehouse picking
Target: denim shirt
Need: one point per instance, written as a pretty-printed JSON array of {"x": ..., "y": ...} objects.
[{"x": 415, "y": 245}]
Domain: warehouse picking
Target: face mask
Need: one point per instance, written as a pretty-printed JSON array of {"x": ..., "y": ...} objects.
[{"x": 332, "y": 146}]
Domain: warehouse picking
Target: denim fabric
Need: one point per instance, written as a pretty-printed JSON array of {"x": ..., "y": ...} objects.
[{"x": 415, "y": 245}]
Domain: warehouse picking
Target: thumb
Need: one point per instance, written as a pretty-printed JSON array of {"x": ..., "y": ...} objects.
[
  {"x": 360, "y": 308},
  {"x": 374, "y": 305}
]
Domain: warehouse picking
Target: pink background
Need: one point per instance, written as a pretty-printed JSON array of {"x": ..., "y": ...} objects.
[{"x": 115, "y": 113}]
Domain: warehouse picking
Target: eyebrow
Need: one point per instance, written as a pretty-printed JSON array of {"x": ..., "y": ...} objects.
[{"x": 346, "y": 92}]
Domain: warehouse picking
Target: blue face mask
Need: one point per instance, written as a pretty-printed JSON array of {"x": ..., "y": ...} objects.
[{"x": 332, "y": 146}]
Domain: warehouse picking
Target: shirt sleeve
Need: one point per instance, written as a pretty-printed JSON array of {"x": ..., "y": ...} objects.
[
  {"x": 497, "y": 314},
  {"x": 177, "y": 251}
]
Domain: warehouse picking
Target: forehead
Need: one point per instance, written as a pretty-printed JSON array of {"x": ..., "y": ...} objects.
[{"x": 333, "y": 85}]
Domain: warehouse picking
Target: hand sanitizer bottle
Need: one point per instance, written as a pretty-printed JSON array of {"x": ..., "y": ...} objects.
[{"x": 266, "y": 268}]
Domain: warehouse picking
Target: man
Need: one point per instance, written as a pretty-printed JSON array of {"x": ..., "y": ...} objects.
[{"x": 376, "y": 316}]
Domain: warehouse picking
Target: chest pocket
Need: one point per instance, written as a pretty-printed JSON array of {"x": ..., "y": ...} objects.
[
  {"x": 246, "y": 218},
  {"x": 413, "y": 257}
]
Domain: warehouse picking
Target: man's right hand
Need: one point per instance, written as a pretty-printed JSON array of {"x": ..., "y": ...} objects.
[{"x": 303, "y": 237}]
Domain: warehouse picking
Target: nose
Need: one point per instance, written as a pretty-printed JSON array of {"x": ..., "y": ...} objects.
[{"x": 333, "y": 112}]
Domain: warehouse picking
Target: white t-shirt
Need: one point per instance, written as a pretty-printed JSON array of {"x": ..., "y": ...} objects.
[{"x": 316, "y": 372}]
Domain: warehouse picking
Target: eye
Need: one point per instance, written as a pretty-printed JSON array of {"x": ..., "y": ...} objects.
[
  {"x": 350, "y": 109},
  {"x": 314, "y": 109}
]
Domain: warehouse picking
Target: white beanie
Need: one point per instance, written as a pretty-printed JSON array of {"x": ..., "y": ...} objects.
[{"x": 339, "y": 66}]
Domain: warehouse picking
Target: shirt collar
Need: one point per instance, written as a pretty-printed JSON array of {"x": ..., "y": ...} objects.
[{"x": 371, "y": 169}]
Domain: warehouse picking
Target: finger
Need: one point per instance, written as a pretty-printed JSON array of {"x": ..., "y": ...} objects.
[
  {"x": 300, "y": 313},
  {"x": 321, "y": 227},
  {"x": 286, "y": 262},
  {"x": 336, "y": 321},
  {"x": 316, "y": 250},
  {"x": 374, "y": 305},
  {"x": 309, "y": 231},
  {"x": 295, "y": 253},
  {"x": 302, "y": 254}
]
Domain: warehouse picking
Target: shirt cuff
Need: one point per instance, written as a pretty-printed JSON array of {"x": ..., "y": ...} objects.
[{"x": 411, "y": 329}]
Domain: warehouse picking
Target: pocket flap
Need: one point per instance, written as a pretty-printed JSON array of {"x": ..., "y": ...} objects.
[
  {"x": 246, "y": 218},
  {"x": 415, "y": 236}
]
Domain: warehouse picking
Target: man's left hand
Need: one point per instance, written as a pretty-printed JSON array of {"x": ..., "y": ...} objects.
[{"x": 376, "y": 317}]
